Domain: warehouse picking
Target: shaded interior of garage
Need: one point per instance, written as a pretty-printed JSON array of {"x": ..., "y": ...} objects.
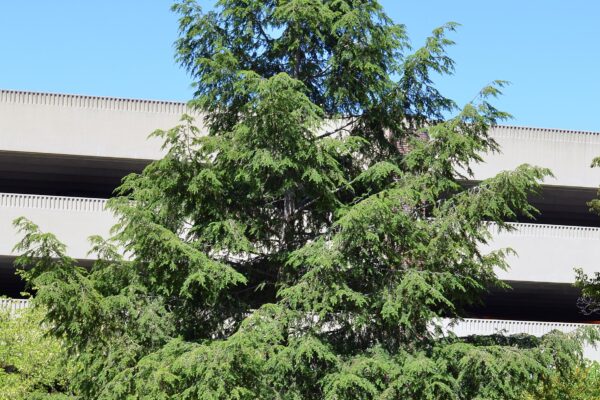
[
  {"x": 64, "y": 175},
  {"x": 532, "y": 301}
]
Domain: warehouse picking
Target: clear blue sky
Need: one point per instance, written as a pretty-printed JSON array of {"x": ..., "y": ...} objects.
[{"x": 548, "y": 49}]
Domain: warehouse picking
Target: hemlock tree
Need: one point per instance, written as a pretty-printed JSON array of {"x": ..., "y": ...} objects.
[{"x": 307, "y": 245}]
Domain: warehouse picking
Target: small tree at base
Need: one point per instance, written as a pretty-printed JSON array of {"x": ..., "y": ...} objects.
[
  {"x": 32, "y": 365},
  {"x": 305, "y": 242}
]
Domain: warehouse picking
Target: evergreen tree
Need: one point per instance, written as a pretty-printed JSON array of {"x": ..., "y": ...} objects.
[{"x": 303, "y": 238}]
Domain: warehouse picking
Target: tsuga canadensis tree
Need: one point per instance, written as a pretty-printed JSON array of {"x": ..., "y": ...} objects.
[{"x": 304, "y": 235}]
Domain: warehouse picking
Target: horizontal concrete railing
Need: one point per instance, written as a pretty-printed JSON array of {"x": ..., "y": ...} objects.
[
  {"x": 84, "y": 125},
  {"x": 13, "y": 304},
  {"x": 71, "y": 219},
  {"x": 16, "y": 200},
  {"x": 567, "y": 153},
  {"x": 484, "y": 327},
  {"x": 545, "y": 253},
  {"x": 474, "y": 326}
]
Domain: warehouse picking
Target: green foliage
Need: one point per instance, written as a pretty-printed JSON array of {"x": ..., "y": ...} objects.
[
  {"x": 32, "y": 365},
  {"x": 589, "y": 302},
  {"x": 582, "y": 383},
  {"x": 595, "y": 203},
  {"x": 584, "y": 380},
  {"x": 302, "y": 244}
]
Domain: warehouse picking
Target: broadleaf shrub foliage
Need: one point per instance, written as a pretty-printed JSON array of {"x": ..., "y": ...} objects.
[{"x": 32, "y": 365}]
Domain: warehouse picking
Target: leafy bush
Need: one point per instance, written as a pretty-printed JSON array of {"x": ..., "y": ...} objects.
[
  {"x": 583, "y": 383},
  {"x": 32, "y": 364}
]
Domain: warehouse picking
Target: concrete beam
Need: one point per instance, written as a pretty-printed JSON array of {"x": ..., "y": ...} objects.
[
  {"x": 84, "y": 125},
  {"x": 72, "y": 219},
  {"x": 567, "y": 153},
  {"x": 545, "y": 253}
]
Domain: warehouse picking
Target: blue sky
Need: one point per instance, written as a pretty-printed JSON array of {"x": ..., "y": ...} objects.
[{"x": 548, "y": 49}]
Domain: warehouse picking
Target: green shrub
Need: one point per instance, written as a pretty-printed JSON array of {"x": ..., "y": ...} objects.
[
  {"x": 32, "y": 364},
  {"x": 583, "y": 383}
]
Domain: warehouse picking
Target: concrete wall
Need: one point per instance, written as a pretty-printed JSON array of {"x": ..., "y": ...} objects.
[
  {"x": 84, "y": 125},
  {"x": 545, "y": 253},
  {"x": 567, "y": 153},
  {"x": 71, "y": 219}
]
